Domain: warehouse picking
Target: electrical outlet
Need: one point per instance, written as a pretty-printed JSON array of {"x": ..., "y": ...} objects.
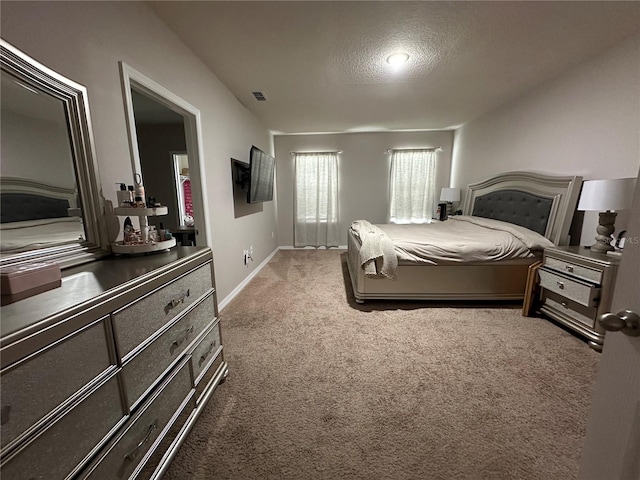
[{"x": 251, "y": 250}]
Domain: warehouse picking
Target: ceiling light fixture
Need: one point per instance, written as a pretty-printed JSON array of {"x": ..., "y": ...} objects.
[{"x": 398, "y": 58}]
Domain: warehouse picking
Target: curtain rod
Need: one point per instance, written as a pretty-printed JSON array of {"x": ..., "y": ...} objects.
[
  {"x": 391, "y": 150},
  {"x": 311, "y": 153}
]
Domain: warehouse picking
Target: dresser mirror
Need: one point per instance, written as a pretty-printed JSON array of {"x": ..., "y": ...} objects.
[{"x": 49, "y": 186}]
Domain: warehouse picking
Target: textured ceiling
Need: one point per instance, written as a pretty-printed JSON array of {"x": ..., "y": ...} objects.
[{"x": 322, "y": 64}]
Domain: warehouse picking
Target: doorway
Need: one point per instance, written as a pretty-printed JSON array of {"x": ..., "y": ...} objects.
[{"x": 162, "y": 128}]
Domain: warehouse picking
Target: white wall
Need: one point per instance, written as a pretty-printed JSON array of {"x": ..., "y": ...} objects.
[
  {"x": 584, "y": 122},
  {"x": 85, "y": 41},
  {"x": 363, "y": 174},
  {"x": 48, "y": 160}
]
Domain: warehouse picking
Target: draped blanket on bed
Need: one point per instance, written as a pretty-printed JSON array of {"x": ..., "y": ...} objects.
[
  {"x": 377, "y": 253},
  {"x": 459, "y": 239}
]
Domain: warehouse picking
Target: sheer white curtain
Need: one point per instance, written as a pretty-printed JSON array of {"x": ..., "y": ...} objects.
[
  {"x": 316, "y": 200},
  {"x": 413, "y": 178}
]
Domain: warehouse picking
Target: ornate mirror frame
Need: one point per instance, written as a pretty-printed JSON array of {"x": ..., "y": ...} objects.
[{"x": 74, "y": 99}]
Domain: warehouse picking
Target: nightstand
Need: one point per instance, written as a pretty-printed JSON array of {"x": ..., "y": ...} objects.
[{"x": 576, "y": 287}]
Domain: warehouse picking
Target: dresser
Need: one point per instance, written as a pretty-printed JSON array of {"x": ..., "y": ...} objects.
[
  {"x": 103, "y": 377},
  {"x": 577, "y": 287}
]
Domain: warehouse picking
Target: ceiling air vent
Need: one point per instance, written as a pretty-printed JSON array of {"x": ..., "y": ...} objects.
[{"x": 259, "y": 96}]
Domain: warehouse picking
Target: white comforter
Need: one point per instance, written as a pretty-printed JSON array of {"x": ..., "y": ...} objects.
[
  {"x": 463, "y": 239},
  {"x": 18, "y": 236}
]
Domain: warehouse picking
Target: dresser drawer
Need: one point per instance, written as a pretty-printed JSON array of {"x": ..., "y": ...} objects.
[
  {"x": 132, "y": 445},
  {"x": 581, "y": 292},
  {"x": 206, "y": 351},
  {"x": 142, "y": 370},
  {"x": 207, "y": 376},
  {"x": 34, "y": 387},
  {"x": 589, "y": 274},
  {"x": 579, "y": 313},
  {"x": 140, "y": 320},
  {"x": 154, "y": 460},
  {"x": 56, "y": 452}
]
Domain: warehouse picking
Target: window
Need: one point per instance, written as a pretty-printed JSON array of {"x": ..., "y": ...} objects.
[
  {"x": 413, "y": 176},
  {"x": 316, "y": 200}
]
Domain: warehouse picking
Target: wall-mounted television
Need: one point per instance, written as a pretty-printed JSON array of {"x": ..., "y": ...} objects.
[{"x": 261, "y": 176}]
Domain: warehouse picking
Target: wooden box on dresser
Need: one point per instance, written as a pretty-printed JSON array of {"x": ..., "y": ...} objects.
[
  {"x": 577, "y": 287},
  {"x": 103, "y": 377}
]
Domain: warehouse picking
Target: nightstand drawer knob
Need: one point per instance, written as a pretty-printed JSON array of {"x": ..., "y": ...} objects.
[
  {"x": 569, "y": 268},
  {"x": 626, "y": 321},
  {"x": 560, "y": 285}
]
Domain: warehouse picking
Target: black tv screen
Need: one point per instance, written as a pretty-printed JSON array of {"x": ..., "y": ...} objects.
[{"x": 261, "y": 176}]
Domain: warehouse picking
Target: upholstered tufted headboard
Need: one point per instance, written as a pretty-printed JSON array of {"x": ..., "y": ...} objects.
[
  {"x": 514, "y": 206},
  {"x": 25, "y": 199},
  {"x": 539, "y": 202},
  {"x": 18, "y": 207}
]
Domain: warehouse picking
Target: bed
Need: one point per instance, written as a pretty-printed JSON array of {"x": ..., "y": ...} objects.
[
  {"x": 37, "y": 215},
  {"x": 540, "y": 203}
]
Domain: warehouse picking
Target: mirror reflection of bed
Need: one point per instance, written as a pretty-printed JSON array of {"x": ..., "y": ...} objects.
[
  {"x": 39, "y": 193},
  {"x": 36, "y": 215}
]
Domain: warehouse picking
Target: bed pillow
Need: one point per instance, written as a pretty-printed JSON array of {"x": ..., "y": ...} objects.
[{"x": 533, "y": 240}]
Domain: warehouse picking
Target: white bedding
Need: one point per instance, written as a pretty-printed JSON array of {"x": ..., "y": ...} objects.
[
  {"x": 17, "y": 236},
  {"x": 463, "y": 239},
  {"x": 377, "y": 255}
]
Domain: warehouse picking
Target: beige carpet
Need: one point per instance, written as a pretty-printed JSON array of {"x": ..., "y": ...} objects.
[{"x": 323, "y": 388}]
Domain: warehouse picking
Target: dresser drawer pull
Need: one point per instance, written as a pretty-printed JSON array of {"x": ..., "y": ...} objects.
[
  {"x": 564, "y": 304},
  {"x": 560, "y": 285},
  {"x": 204, "y": 356},
  {"x": 569, "y": 268},
  {"x": 4, "y": 414},
  {"x": 152, "y": 428},
  {"x": 177, "y": 301},
  {"x": 181, "y": 340}
]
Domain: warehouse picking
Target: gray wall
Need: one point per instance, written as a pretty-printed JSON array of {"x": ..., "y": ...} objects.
[
  {"x": 363, "y": 174},
  {"x": 584, "y": 122},
  {"x": 156, "y": 144},
  {"x": 85, "y": 41}
]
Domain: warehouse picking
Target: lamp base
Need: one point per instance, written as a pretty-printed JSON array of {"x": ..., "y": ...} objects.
[
  {"x": 605, "y": 229},
  {"x": 449, "y": 208}
]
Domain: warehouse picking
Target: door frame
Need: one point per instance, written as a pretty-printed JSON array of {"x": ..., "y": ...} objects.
[
  {"x": 133, "y": 79},
  {"x": 610, "y": 448}
]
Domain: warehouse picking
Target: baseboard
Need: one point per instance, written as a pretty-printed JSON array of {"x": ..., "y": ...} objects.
[
  {"x": 290, "y": 247},
  {"x": 245, "y": 282}
]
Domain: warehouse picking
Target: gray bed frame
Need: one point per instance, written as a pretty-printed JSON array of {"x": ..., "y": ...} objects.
[{"x": 540, "y": 202}]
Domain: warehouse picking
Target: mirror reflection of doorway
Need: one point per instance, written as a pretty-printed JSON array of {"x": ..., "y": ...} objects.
[
  {"x": 163, "y": 160},
  {"x": 186, "y": 230},
  {"x": 166, "y": 124}
]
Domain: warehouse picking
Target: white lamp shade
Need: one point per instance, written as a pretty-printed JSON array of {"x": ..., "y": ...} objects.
[
  {"x": 450, "y": 195},
  {"x": 601, "y": 195}
]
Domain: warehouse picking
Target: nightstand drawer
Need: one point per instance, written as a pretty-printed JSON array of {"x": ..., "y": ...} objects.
[
  {"x": 577, "y": 312},
  {"x": 590, "y": 274},
  {"x": 581, "y": 292}
]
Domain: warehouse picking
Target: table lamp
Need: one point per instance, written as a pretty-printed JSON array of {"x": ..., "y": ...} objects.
[
  {"x": 450, "y": 195},
  {"x": 606, "y": 196}
]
